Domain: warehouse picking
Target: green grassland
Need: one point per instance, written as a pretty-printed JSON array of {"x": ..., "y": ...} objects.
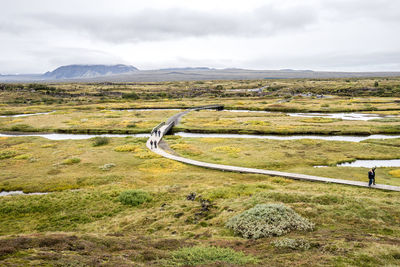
[
  {"x": 298, "y": 156},
  {"x": 92, "y": 121},
  {"x": 384, "y": 105},
  {"x": 88, "y": 224},
  {"x": 112, "y": 118},
  {"x": 349, "y": 95},
  {"x": 86, "y": 219},
  {"x": 281, "y": 123}
]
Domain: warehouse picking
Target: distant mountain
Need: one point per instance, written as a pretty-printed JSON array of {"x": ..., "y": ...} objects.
[
  {"x": 184, "y": 69},
  {"x": 87, "y": 71},
  {"x": 292, "y": 70},
  {"x": 124, "y": 73}
]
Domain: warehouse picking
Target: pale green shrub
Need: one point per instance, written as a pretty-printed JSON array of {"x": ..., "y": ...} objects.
[
  {"x": 266, "y": 220},
  {"x": 107, "y": 167},
  {"x": 289, "y": 243}
]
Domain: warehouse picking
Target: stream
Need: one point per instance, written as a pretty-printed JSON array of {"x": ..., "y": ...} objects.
[
  {"x": 348, "y": 138},
  {"x": 344, "y": 116},
  {"x": 59, "y": 136}
]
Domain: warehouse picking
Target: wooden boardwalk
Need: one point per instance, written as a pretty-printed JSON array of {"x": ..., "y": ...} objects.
[{"x": 164, "y": 128}]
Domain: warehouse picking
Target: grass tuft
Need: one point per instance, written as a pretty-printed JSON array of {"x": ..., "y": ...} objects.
[
  {"x": 293, "y": 244},
  {"x": 194, "y": 256},
  {"x": 100, "y": 141},
  {"x": 134, "y": 197},
  {"x": 71, "y": 161}
]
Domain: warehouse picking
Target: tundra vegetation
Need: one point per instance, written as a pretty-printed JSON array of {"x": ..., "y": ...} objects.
[{"x": 112, "y": 202}]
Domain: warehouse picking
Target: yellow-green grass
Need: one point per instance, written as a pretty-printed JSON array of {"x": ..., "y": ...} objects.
[
  {"x": 384, "y": 105},
  {"x": 355, "y": 226},
  {"x": 298, "y": 156},
  {"x": 95, "y": 121},
  {"x": 280, "y": 123},
  {"x": 75, "y": 93}
]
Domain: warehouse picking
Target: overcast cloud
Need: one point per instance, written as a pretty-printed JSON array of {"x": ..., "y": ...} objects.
[{"x": 348, "y": 35}]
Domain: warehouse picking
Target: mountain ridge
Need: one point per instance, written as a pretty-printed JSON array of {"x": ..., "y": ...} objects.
[
  {"x": 127, "y": 73},
  {"x": 87, "y": 71}
]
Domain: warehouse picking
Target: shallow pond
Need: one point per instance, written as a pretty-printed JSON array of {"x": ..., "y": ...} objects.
[
  {"x": 343, "y": 116},
  {"x": 58, "y": 136},
  {"x": 12, "y": 193},
  {"x": 145, "y": 109},
  {"x": 246, "y": 110},
  {"x": 368, "y": 163},
  {"x": 26, "y": 115},
  {"x": 290, "y": 137},
  {"x": 372, "y": 163}
]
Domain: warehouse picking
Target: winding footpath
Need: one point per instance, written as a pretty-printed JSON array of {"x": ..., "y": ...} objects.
[{"x": 165, "y": 127}]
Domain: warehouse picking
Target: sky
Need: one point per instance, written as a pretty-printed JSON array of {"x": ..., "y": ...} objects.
[{"x": 328, "y": 35}]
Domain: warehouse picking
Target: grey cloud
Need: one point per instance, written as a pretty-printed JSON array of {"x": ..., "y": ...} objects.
[
  {"x": 152, "y": 24},
  {"x": 73, "y": 55},
  {"x": 382, "y": 10},
  {"x": 361, "y": 61},
  {"x": 48, "y": 58}
]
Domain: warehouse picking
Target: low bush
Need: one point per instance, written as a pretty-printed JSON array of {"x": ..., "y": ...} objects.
[
  {"x": 22, "y": 128},
  {"x": 100, "y": 141},
  {"x": 131, "y": 95},
  {"x": 199, "y": 255},
  {"x": 395, "y": 173},
  {"x": 23, "y": 156},
  {"x": 6, "y": 154},
  {"x": 131, "y": 125},
  {"x": 319, "y": 120},
  {"x": 134, "y": 197},
  {"x": 289, "y": 243},
  {"x": 266, "y": 220},
  {"x": 71, "y": 161}
]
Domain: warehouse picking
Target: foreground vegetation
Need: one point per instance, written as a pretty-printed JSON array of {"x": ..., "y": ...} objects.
[
  {"x": 91, "y": 225},
  {"x": 112, "y": 202}
]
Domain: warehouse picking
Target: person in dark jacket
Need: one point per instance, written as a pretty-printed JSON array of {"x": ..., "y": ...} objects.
[
  {"x": 151, "y": 144},
  {"x": 371, "y": 176},
  {"x": 155, "y": 144}
]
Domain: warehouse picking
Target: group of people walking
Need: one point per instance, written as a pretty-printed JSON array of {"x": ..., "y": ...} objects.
[{"x": 154, "y": 142}]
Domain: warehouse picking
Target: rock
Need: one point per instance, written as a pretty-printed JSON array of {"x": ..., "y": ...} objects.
[
  {"x": 191, "y": 196},
  {"x": 178, "y": 215}
]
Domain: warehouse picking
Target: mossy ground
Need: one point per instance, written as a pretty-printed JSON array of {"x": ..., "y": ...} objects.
[
  {"x": 82, "y": 222},
  {"x": 351, "y": 223},
  {"x": 298, "y": 156},
  {"x": 281, "y": 123}
]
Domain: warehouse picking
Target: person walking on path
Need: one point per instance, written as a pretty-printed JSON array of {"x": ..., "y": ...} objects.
[
  {"x": 159, "y": 133},
  {"x": 155, "y": 144},
  {"x": 371, "y": 176},
  {"x": 151, "y": 144}
]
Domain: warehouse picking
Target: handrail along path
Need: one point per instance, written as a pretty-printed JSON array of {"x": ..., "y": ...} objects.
[{"x": 165, "y": 127}]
